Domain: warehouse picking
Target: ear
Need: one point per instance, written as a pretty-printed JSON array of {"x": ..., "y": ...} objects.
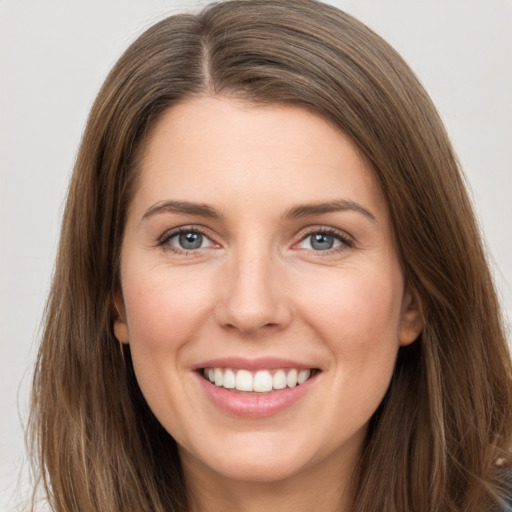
[
  {"x": 413, "y": 319},
  {"x": 120, "y": 324}
]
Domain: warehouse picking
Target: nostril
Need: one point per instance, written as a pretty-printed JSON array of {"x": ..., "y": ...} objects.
[{"x": 252, "y": 302}]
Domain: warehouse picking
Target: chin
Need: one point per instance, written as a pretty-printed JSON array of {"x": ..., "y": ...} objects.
[
  {"x": 258, "y": 470},
  {"x": 251, "y": 461}
]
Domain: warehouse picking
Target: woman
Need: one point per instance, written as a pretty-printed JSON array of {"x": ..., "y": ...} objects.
[{"x": 270, "y": 286}]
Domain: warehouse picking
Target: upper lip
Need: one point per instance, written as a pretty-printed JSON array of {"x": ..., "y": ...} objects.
[{"x": 260, "y": 363}]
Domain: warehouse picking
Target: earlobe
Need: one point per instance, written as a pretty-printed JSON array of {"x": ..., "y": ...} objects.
[
  {"x": 413, "y": 318},
  {"x": 120, "y": 324}
]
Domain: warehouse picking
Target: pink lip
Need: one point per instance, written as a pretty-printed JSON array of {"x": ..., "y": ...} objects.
[
  {"x": 262, "y": 363},
  {"x": 253, "y": 405}
]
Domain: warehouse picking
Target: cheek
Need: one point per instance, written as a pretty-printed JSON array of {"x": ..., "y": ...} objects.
[
  {"x": 164, "y": 310},
  {"x": 358, "y": 314},
  {"x": 357, "y": 318},
  {"x": 165, "y": 307}
]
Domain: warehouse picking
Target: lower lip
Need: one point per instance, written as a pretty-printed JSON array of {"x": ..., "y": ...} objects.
[{"x": 255, "y": 405}]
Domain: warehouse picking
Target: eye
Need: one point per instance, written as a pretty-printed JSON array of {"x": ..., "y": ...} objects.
[
  {"x": 186, "y": 240},
  {"x": 324, "y": 241}
]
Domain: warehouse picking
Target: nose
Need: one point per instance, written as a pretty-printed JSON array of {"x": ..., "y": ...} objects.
[{"x": 253, "y": 295}]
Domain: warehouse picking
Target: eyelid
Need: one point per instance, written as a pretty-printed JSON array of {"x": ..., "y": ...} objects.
[
  {"x": 346, "y": 240},
  {"x": 190, "y": 228}
]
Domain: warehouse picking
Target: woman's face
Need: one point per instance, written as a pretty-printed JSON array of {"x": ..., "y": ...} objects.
[{"x": 258, "y": 253}]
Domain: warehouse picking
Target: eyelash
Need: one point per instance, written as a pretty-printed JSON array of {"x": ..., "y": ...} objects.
[
  {"x": 346, "y": 242},
  {"x": 169, "y": 235}
]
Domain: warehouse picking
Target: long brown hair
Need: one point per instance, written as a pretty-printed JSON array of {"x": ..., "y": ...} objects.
[{"x": 440, "y": 440}]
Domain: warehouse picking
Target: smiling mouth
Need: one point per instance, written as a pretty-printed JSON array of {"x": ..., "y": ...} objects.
[{"x": 261, "y": 381}]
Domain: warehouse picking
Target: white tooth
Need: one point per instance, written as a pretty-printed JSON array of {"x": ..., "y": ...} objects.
[
  {"x": 229, "y": 379},
  {"x": 243, "y": 380},
  {"x": 279, "y": 380},
  {"x": 291, "y": 378},
  {"x": 218, "y": 376},
  {"x": 262, "y": 381},
  {"x": 303, "y": 376},
  {"x": 211, "y": 375}
]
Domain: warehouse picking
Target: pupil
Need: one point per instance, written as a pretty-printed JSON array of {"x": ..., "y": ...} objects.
[
  {"x": 191, "y": 240},
  {"x": 322, "y": 242}
]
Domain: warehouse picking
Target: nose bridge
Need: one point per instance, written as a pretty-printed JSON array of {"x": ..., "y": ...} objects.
[{"x": 253, "y": 296}]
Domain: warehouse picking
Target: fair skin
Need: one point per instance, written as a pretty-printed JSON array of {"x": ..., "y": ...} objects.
[{"x": 285, "y": 261}]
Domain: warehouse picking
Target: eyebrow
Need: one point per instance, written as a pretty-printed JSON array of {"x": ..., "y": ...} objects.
[
  {"x": 337, "y": 205},
  {"x": 183, "y": 207},
  {"x": 296, "y": 212}
]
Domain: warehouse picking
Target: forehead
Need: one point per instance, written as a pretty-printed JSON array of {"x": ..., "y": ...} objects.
[{"x": 216, "y": 149}]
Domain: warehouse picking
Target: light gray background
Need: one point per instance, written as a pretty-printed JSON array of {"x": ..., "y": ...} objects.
[{"x": 54, "y": 56}]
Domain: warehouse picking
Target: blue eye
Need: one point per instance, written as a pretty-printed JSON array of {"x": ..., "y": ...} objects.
[
  {"x": 324, "y": 241},
  {"x": 187, "y": 240}
]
